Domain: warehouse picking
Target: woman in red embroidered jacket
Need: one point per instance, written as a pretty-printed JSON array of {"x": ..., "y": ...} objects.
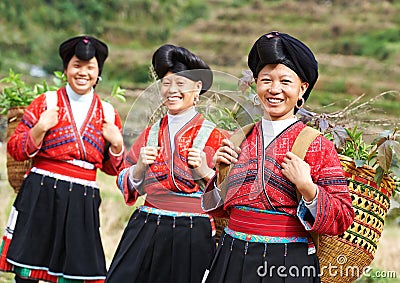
[
  {"x": 170, "y": 238},
  {"x": 267, "y": 238},
  {"x": 53, "y": 230}
]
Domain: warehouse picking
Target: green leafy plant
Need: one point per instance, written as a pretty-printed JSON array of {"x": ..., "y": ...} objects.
[
  {"x": 118, "y": 93},
  {"x": 18, "y": 93},
  {"x": 383, "y": 153}
]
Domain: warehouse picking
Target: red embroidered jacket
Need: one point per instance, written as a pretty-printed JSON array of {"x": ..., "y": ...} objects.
[
  {"x": 256, "y": 181},
  {"x": 64, "y": 141},
  {"x": 170, "y": 175}
]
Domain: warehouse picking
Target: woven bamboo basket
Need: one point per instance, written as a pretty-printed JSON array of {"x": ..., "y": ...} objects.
[
  {"x": 344, "y": 258},
  {"x": 220, "y": 224},
  {"x": 15, "y": 169}
]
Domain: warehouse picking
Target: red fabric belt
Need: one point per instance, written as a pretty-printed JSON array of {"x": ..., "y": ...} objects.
[
  {"x": 173, "y": 202},
  {"x": 265, "y": 224},
  {"x": 66, "y": 169}
]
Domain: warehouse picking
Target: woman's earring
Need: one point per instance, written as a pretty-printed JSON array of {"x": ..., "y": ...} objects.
[
  {"x": 301, "y": 103},
  {"x": 256, "y": 100},
  {"x": 99, "y": 79},
  {"x": 195, "y": 101}
]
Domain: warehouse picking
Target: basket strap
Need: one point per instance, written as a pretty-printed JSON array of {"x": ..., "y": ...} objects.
[
  {"x": 300, "y": 147},
  {"x": 51, "y": 99},
  {"x": 304, "y": 140},
  {"x": 224, "y": 169}
]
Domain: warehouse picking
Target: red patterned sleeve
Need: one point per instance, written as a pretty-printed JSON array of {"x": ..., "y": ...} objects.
[
  {"x": 211, "y": 200},
  {"x": 114, "y": 163},
  {"x": 130, "y": 193},
  {"x": 334, "y": 208},
  {"x": 20, "y": 145},
  {"x": 213, "y": 143}
]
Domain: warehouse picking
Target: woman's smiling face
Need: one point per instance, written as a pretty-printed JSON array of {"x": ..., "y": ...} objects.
[
  {"x": 279, "y": 88},
  {"x": 81, "y": 74},
  {"x": 179, "y": 93}
]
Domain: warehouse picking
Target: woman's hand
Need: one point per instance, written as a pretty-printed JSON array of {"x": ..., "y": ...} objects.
[
  {"x": 147, "y": 156},
  {"x": 299, "y": 173},
  {"x": 112, "y": 134},
  {"x": 226, "y": 154},
  {"x": 47, "y": 120},
  {"x": 198, "y": 161}
]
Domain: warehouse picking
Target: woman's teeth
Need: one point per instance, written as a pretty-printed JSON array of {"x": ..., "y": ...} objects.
[
  {"x": 174, "y": 98},
  {"x": 274, "y": 100}
]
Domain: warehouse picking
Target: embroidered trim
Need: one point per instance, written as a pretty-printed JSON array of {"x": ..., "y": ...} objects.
[
  {"x": 170, "y": 213},
  {"x": 264, "y": 239},
  {"x": 246, "y": 208}
]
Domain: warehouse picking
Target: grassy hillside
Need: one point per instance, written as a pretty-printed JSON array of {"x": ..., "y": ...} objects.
[{"x": 357, "y": 43}]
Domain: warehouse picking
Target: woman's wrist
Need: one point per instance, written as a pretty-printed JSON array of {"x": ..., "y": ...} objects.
[{"x": 309, "y": 200}]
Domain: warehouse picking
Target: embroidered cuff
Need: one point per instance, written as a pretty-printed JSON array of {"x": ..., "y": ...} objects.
[
  {"x": 134, "y": 183},
  {"x": 31, "y": 148},
  {"x": 312, "y": 205},
  {"x": 211, "y": 199},
  {"x": 301, "y": 213}
]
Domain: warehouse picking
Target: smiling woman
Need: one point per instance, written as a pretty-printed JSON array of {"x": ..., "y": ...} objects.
[
  {"x": 49, "y": 225},
  {"x": 179, "y": 93},
  {"x": 279, "y": 89},
  {"x": 273, "y": 198},
  {"x": 170, "y": 238}
]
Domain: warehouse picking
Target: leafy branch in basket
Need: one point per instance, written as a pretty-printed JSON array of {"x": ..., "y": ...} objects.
[
  {"x": 18, "y": 93},
  {"x": 383, "y": 153}
]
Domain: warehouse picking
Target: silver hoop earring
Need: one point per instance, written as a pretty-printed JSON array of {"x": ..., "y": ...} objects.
[
  {"x": 256, "y": 100},
  {"x": 301, "y": 103},
  {"x": 99, "y": 79}
]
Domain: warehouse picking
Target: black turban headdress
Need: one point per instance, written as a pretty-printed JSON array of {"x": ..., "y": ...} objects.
[
  {"x": 281, "y": 48},
  {"x": 85, "y": 48},
  {"x": 171, "y": 58}
]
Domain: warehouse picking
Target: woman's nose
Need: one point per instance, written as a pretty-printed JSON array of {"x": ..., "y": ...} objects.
[
  {"x": 275, "y": 88},
  {"x": 173, "y": 87}
]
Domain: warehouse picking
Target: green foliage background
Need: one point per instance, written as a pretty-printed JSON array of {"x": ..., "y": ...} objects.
[{"x": 357, "y": 43}]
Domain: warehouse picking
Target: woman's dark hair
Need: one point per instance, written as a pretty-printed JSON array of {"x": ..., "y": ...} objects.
[
  {"x": 85, "y": 48},
  {"x": 179, "y": 60},
  {"x": 281, "y": 48}
]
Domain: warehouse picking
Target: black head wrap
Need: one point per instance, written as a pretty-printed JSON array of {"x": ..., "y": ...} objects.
[
  {"x": 85, "y": 48},
  {"x": 171, "y": 58},
  {"x": 281, "y": 48}
]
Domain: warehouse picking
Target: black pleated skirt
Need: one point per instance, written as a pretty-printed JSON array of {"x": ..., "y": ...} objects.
[
  {"x": 238, "y": 261},
  {"x": 57, "y": 229},
  {"x": 162, "y": 248}
]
